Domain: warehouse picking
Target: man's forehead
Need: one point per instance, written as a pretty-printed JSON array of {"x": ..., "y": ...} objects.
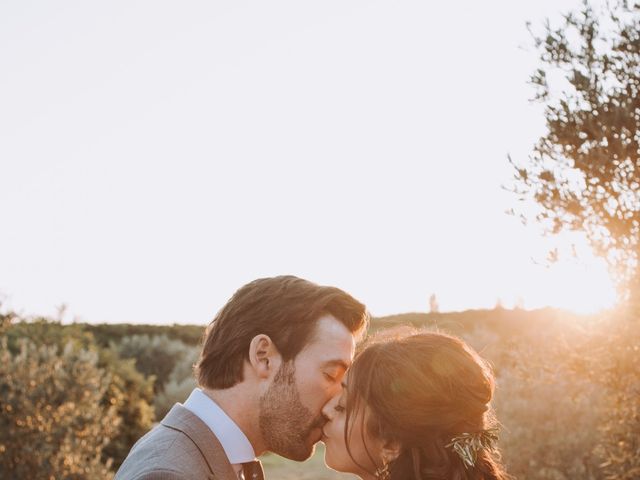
[
  {"x": 329, "y": 328},
  {"x": 331, "y": 352},
  {"x": 331, "y": 343}
]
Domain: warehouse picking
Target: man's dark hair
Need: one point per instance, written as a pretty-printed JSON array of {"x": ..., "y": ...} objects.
[{"x": 286, "y": 308}]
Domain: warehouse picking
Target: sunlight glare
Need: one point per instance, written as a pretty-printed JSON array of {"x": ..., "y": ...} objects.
[{"x": 580, "y": 284}]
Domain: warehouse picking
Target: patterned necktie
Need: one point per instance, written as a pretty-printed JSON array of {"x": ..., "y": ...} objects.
[{"x": 252, "y": 470}]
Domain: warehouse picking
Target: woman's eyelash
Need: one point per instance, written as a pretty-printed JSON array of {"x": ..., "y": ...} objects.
[{"x": 339, "y": 408}]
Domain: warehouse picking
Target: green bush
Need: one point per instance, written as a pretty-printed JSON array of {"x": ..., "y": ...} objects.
[
  {"x": 180, "y": 383},
  {"x": 129, "y": 392},
  {"x": 550, "y": 415},
  {"x": 55, "y": 421},
  {"x": 106, "y": 333},
  {"x": 155, "y": 355},
  {"x": 132, "y": 395}
]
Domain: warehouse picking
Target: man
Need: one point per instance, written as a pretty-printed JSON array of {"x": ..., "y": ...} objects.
[{"x": 271, "y": 358}]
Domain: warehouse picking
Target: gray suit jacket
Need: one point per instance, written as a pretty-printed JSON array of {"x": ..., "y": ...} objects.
[{"x": 181, "y": 447}]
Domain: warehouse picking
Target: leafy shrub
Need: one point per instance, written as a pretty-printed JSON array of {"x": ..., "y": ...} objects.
[
  {"x": 550, "y": 416},
  {"x": 56, "y": 415},
  {"x": 132, "y": 395},
  {"x": 128, "y": 391},
  {"x": 107, "y": 333},
  {"x": 180, "y": 383},
  {"x": 617, "y": 365},
  {"x": 174, "y": 391},
  {"x": 155, "y": 356}
]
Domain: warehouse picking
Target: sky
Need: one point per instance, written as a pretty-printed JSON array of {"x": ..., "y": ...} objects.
[{"x": 155, "y": 156}]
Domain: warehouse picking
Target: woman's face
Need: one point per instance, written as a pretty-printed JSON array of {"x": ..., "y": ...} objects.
[{"x": 336, "y": 455}]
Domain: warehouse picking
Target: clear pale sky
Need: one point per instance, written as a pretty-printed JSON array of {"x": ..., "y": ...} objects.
[{"x": 155, "y": 156}]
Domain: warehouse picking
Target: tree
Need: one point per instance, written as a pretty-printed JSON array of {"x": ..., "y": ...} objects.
[
  {"x": 433, "y": 304},
  {"x": 129, "y": 391},
  {"x": 519, "y": 305},
  {"x": 180, "y": 383},
  {"x": 584, "y": 172},
  {"x": 499, "y": 305},
  {"x": 155, "y": 355},
  {"x": 54, "y": 422}
]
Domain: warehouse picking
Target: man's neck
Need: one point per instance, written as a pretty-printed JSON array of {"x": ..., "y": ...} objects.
[{"x": 243, "y": 408}]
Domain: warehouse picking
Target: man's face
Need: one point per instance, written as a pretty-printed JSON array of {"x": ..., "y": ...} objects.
[{"x": 291, "y": 417}]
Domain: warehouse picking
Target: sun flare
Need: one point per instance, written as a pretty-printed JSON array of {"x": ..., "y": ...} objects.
[{"x": 582, "y": 285}]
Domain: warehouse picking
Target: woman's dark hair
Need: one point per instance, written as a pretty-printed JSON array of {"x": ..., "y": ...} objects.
[
  {"x": 285, "y": 308},
  {"x": 421, "y": 391}
]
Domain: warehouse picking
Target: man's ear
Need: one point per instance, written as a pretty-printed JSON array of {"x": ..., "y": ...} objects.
[{"x": 264, "y": 357}]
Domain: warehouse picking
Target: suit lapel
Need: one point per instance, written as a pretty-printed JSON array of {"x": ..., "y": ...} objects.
[{"x": 180, "y": 418}]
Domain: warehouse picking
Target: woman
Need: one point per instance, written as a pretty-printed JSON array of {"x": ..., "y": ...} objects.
[{"x": 414, "y": 408}]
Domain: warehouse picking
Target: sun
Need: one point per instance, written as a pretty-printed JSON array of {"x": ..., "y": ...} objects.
[
  {"x": 580, "y": 284},
  {"x": 588, "y": 288}
]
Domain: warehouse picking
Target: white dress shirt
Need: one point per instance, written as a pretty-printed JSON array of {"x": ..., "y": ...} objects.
[{"x": 234, "y": 442}]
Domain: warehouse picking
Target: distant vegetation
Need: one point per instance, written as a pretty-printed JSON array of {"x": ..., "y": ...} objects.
[
  {"x": 75, "y": 398},
  {"x": 583, "y": 176}
]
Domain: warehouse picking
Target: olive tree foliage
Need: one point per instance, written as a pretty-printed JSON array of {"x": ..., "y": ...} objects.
[
  {"x": 132, "y": 395},
  {"x": 169, "y": 362},
  {"x": 54, "y": 420},
  {"x": 129, "y": 392},
  {"x": 584, "y": 173},
  {"x": 180, "y": 383},
  {"x": 154, "y": 355}
]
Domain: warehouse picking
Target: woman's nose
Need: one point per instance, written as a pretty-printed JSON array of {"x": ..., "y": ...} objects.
[{"x": 329, "y": 408}]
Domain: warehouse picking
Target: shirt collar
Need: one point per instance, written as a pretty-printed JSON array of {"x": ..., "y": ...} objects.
[{"x": 235, "y": 443}]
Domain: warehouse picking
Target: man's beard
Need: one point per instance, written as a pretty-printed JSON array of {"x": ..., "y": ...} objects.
[{"x": 285, "y": 423}]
